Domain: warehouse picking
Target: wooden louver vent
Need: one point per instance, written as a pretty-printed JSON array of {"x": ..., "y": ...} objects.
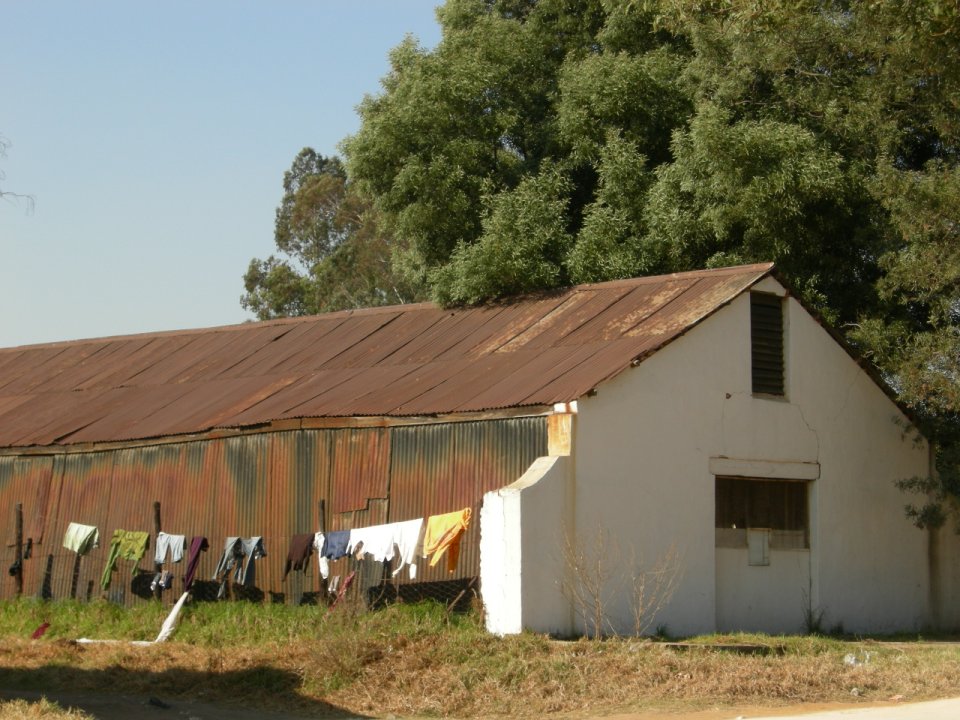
[{"x": 766, "y": 339}]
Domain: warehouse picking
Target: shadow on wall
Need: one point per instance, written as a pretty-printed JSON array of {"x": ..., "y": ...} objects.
[{"x": 120, "y": 692}]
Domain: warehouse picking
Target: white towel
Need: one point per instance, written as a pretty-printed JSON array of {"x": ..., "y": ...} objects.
[
  {"x": 376, "y": 541},
  {"x": 409, "y": 538}
]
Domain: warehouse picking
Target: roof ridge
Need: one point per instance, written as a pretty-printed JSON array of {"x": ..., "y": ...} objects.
[{"x": 403, "y": 307}]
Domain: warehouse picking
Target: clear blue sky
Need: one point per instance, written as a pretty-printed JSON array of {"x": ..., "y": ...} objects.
[{"x": 153, "y": 138}]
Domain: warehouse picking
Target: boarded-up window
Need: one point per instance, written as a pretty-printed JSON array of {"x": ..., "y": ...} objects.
[
  {"x": 778, "y": 505},
  {"x": 766, "y": 342}
]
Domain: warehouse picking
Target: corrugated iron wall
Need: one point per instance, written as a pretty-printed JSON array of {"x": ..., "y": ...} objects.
[{"x": 268, "y": 484}]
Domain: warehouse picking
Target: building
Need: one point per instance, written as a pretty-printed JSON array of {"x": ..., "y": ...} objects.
[{"x": 706, "y": 418}]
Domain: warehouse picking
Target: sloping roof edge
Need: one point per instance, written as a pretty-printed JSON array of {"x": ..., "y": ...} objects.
[{"x": 871, "y": 370}]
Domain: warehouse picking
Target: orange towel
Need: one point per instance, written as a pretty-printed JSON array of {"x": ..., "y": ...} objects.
[{"x": 443, "y": 535}]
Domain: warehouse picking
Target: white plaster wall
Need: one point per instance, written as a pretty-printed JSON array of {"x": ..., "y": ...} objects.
[
  {"x": 521, "y": 551},
  {"x": 642, "y": 452}
]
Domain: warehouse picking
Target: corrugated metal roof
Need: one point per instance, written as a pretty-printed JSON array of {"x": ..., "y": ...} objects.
[{"x": 394, "y": 361}]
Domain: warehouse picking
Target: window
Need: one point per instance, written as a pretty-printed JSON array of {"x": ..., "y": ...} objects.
[
  {"x": 766, "y": 343},
  {"x": 777, "y": 505}
]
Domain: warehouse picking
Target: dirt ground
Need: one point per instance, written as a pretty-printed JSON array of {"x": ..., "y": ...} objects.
[
  {"x": 744, "y": 711},
  {"x": 122, "y": 707}
]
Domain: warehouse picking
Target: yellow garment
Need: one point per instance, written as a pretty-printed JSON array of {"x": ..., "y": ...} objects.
[{"x": 443, "y": 535}]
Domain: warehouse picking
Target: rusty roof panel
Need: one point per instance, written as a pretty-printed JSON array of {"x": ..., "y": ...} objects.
[
  {"x": 261, "y": 359},
  {"x": 401, "y": 360},
  {"x": 29, "y": 424},
  {"x": 346, "y": 336},
  {"x": 135, "y": 355},
  {"x": 443, "y": 335},
  {"x": 577, "y": 316},
  {"x": 359, "y": 391},
  {"x": 627, "y": 312},
  {"x": 9, "y": 403},
  {"x": 105, "y": 358},
  {"x": 329, "y": 383},
  {"x": 85, "y": 408},
  {"x": 36, "y": 369},
  {"x": 229, "y": 349},
  {"x": 484, "y": 324},
  {"x": 520, "y": 319},
  {"x": 125, "y": 420},
  {"x": 389, "y": 340},
  {"x": 553, "y": 326},
  {"x": 606, "y": 362},
  {"x": 120, "y": 362},
  {"x": 278, "y": 404},
  {"x": 198, "y": 407},
  {"x": 468, "y": 379},
  {"x": 304, "y": 360},
  {"x": 540, "y": 369},
  {"x": 418, "y": 381}
]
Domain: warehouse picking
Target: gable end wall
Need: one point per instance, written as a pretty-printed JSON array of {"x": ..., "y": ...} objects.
[{"x": 643, "y": 453}]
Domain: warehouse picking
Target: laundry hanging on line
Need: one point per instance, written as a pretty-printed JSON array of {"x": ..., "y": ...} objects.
[
  {"x": 379, "y": 541},
  {"x": 172, "y": 544},
  {"x": 433, "y": 537},
  {"x": 301, "y": 547},
  {"x": 81, "y": 539},
  {"x": 335, "y": 544},
  {"x": 127, "y": 545},
  {"x": 239, "y": 555},
  {"x": 322, "y": 562},
  {"x": 442, "y": 536},
  {"x": 198, "y": 544}
]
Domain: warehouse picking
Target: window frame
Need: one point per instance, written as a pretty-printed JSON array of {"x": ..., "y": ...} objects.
[{"x": 748, "y": 503}]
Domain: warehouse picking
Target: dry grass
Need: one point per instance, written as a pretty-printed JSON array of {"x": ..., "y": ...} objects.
[
  {"x": 42, "y": 708},
  {"x": 416, "y": 660}
]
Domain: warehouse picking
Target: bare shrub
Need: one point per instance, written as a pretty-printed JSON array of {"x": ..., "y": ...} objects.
[
  {"x": 598, "y": 572},
  {"x": 593, "y": 578},
  {"x": 652, "y": 588}
]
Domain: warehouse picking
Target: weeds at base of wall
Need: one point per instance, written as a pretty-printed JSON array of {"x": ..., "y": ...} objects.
[{"x": 813, "y": 616}]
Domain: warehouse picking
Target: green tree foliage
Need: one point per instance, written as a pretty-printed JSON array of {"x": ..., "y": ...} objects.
[
  {"x": 333, "y": 254},
  {"x": 545, "y": 143}
]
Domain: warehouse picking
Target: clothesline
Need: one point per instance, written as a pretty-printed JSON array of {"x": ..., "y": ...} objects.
[{"x": 431, "y": 537}]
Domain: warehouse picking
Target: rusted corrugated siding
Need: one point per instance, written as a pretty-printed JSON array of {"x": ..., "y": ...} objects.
[
  {"x": 268, "y": 484},
  {"x": 31, "y": 480},
  {"x": 437, "y": 469},
  {"x": 407, "y": 360},
  {"x": 361, "y": 460}
]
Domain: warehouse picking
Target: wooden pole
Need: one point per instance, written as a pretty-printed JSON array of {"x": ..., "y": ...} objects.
[
  {"x": 18, "y": 560},
  {"x": 158, "y": 567}
]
